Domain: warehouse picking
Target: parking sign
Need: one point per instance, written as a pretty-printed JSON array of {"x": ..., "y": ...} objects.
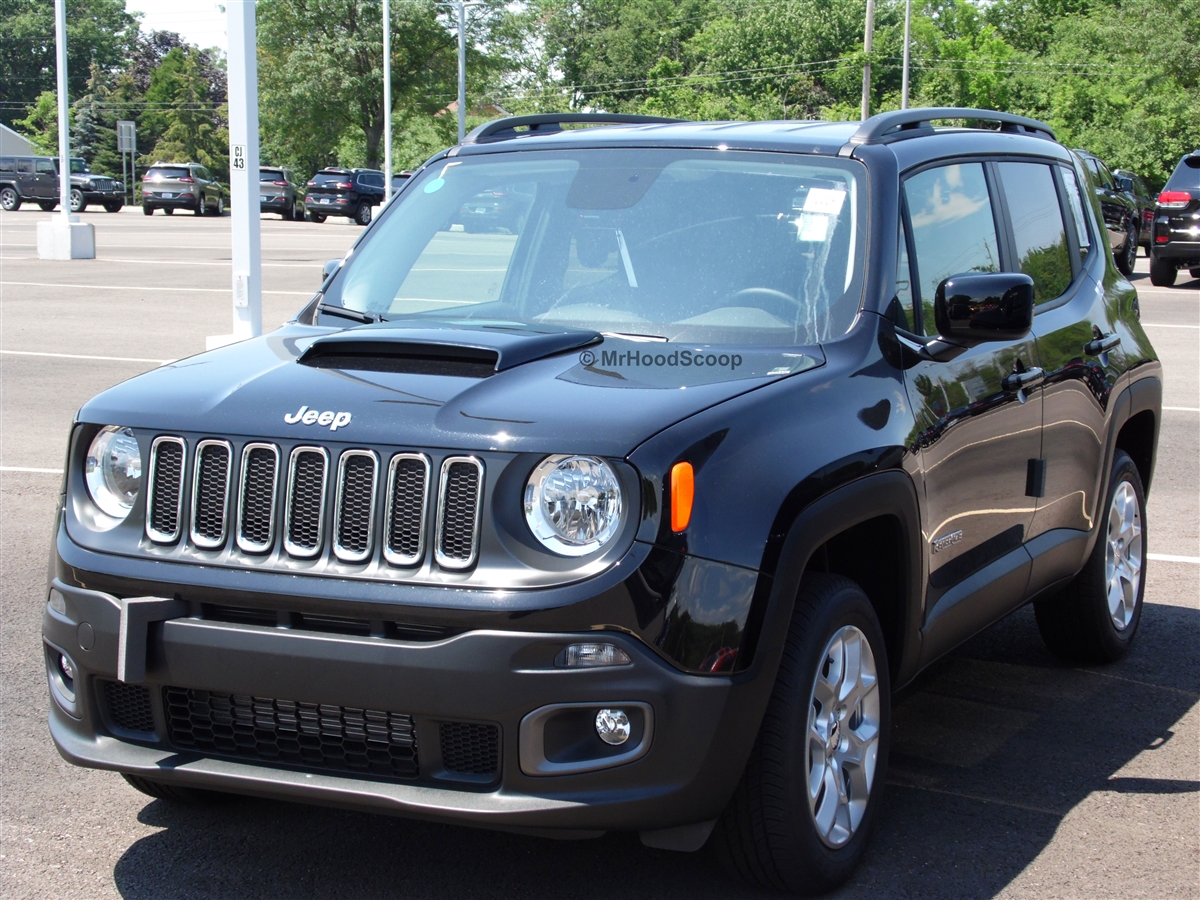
[{"x": 126, "y": 137}]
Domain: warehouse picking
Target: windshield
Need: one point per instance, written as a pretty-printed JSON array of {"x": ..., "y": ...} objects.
[
  {"x": 681, "y": 245},
  {"x": 78, "y": 166}
]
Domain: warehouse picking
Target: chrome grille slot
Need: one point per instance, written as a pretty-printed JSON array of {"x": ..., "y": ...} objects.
[
  {"x": 404, "y": 516},
  {"x": 256, "y": 497},
  {"x": 459, "y": 498},
  {"x": 354, "y": 509},
  {"x": 164, "y": 491},
  {"x": 210, "y": 493},
  {"x": 304, "y": 518}
]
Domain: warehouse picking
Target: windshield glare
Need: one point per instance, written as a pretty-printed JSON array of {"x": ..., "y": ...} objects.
[{"x": 684, "y": 245}]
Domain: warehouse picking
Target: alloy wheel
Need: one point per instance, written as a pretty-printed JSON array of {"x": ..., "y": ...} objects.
[
  {"x": 1123, "y": 556},
  {"x": 843, "y": 736},
  {"x": 8, "y": 199},
  {"x": 76, "y": 200}
]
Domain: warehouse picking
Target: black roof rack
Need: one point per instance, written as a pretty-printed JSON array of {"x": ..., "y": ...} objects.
[
  {"x": 552, "y": 123},
  {"x": 904, "y": 123}
]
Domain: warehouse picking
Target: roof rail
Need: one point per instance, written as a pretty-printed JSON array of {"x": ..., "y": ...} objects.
[
  {"x": 903, "y": 123},
  {"x": 551, "y": 123}
]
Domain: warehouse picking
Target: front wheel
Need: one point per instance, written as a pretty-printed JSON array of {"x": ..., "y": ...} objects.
[
  {"x": 1127, "y": 258},
  {"x": 147, "y": 210},
  {"x": 219, "y": 209},
  {"x": 802, "y": 815},
  {"x": 201, "y": 206},
  {"x": 317, "y": 217},
  {"x": 114, "y": 206},
  {"x": 48, "y": 205},
  {"x": 1162, "y": 273},
  {"x": 1094, "y": 619},
  {"x": 78, "y": 204},
  {"x": 362, "y": 215},
  {"x": 168, "y": 210},
  {"x": 171, "y": 792},
  {"x": 1195, "y": 273},
  {"x": 10, "y": 200},
  {"x": 298, "y": 212}
]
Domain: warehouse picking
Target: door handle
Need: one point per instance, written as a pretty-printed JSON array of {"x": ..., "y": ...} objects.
[
  {"x": 1021, "y": 381},
  {"x": 1102, "y": 344}
]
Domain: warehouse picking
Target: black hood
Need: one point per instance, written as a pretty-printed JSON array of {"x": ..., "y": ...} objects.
[{"x": 449, "y": 386}]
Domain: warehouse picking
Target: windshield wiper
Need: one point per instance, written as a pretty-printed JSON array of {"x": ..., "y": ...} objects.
[{"x": 354, "y": 314}]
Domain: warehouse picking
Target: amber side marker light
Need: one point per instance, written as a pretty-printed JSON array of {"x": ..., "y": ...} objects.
[{"x": 683, "y": 492}]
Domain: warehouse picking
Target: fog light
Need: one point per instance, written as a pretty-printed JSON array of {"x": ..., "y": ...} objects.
[
  {"x": 58, "y": 602},
  {"x": 588, "y": 656},
  {"x": 68, "y": 668},
  {"x": 613, "y": 726}
]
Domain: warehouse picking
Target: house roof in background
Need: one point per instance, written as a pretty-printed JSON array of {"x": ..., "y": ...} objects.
[{"x": 12, "y": 144}]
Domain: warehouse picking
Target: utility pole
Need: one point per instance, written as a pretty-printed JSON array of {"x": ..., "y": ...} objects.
[
  {"x": 868, "y": 37},
  {"x": 245, "y": 223},
  {"x": 387, "y": 101},
  {"x": 462, "y": 70},
  {"x": 64, "y": 236},
  {"x": 904, "y": 77}
]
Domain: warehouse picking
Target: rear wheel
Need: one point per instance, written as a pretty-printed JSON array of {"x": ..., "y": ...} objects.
[
  {"x": 1162, "y": 273},
  {"x": 169, "y": 210},
  {"x": 803, "y": 812},
  {"x": 1094, "y": 619},
  {"x": 317, "y": 217},
  {"x": 78, "y": 204},
  {"x": 362, "y": 215},
  {"x": 1127, "y": 258},
  {"x": 171, "y": 792},
  {"x": 10, "y": 200}
]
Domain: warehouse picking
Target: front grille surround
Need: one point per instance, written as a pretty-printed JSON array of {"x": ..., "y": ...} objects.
[
  {"x": 292, "y": 509},
  {"x": 200, "y": 536},
  {"x": 393, "y": 549},
  {"x": 251, "y": 544},
  {"x": 173, "y": 506},
  {"x": 451, "y": 509},
  {"x": 342, "y": 552}
]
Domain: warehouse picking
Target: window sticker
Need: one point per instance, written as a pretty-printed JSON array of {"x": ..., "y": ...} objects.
[
  {"x": 813, "y": 226},
  {"x": 824, "y": 200}
]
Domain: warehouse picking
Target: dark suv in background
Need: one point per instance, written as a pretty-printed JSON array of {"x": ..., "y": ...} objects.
[
  {"x": 88, "y": 187},
  {"x": 1177, "y": 224},
  {"x": 281, "y": 191},
  {"x": 1121, "y": 218},
  {"x": 1144, "y": 199},
  {"x": 345, "y": 192},
  {"x": 172, "y": 186}
]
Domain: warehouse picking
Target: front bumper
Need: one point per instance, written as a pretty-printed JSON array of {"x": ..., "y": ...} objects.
[{"x": 696, "y": 734}]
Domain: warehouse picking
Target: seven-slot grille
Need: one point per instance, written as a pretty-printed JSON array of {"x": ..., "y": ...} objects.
[
  {"x": 164, "y": 491},
  {"x": 306, "y": 517}
]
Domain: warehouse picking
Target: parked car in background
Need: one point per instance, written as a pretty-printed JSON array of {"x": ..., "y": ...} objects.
[
  {"x": 172, "y": 186},
  {"x": 28, "y": 179},
  {"x": 344, "y": 192},
  {"x": 281, "y": 191},
  {"x": 1132, "y": 184},
  {"x": 399, "y": 179},
  {"x": 1177, "y": 224},
  {"x": 1120, "y": 212}
]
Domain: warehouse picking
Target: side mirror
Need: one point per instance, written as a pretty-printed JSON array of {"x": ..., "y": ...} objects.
[
  {"x": 971, "y": 309},
  {"x": 1124, "y": 184},
  {"x": 329, "y": 268}
]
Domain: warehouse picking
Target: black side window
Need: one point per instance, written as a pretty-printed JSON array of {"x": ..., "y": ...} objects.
[
  {"x": 904, "y": 294},
  {"x": 1039, "y": 233},
  {"x": 45, "y": 167},
  {"x": 1075, "y": 199},
  {"x": 25, "y": 166},
  {"x": 6, "y": 165},
  {"x": 953, "y": 229}
]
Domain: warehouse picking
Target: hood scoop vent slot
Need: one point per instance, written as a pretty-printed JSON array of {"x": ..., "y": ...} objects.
[
  {"x": 447, "y": 350},
  {"x": 404, "y": 358}
]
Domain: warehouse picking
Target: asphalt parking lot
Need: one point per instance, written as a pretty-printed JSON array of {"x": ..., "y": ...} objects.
[{"x": 1013, "y": 775}]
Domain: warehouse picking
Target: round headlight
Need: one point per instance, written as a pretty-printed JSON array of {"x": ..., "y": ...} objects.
[
  {"x": 573, "y": 504},
  {"x": 113, "y": 469}
]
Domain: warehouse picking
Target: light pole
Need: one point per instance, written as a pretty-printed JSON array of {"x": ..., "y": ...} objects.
[
  {"x": 387, "y": 101},
  {"x": 462, "y": 70},
  {"x": 904, "y": 76},
  {"x": 868, "y": 37}
]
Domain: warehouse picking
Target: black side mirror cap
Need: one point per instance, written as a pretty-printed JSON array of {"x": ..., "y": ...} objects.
[
  {"x": 975, "y": 308},
  {"x": 329, "y": 268}
]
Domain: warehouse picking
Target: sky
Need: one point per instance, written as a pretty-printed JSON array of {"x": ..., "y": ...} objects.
[{"x": 200, "y": 22}]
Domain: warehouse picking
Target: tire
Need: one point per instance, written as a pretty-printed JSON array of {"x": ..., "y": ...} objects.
[
  {"x": 1127, "y": 258},
  {"x": 1195, "y": 273},
  {"x": 362, "y": 215},
  {"x": 10, "y": 200},
  {"x": 172, "y": 793},
  {"x": 1162, "y": 273},
  {"x": 201, "y": 208},
  {"x": 768, "y": 834},
  {"x": 298, "y": 211},
  {"x": 219, "y": 209},
  {"x": 169, "y": 210},
  {"x": 147, "y": 210},
  {"x": 1095, "y": 618},
  {"x": 49, "y": 205},
  {"x": 113, "y": 207},
  {"x": 78, "y": 204},
  {"x": 317, "y": 217}
]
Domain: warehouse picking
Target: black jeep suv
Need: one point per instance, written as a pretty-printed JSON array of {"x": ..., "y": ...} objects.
[
  {"x": 344, "y": 192},
  {"x": 634, "y": 514},
  {"x": 1177, "y": 224}
]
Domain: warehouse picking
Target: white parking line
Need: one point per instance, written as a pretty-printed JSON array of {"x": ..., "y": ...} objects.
[
  {"x": 1163, "y": 325},
  {"x": 1181, "y": 409},
  {"x": 181, "y": 262},
  {"x": 1170, "y": 557},
  {"x": 28, "y": 469},
  {"x": 126, "y": 287},
  {"x": 161, "y": 362}
]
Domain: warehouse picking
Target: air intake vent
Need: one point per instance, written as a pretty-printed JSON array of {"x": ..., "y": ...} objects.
[
  {"x": 256, "y": 497},
  {"x": 458, "y": 512},
  {"x": 210, "y": 493},
  {"x": 396, "y": 356},
  {"x": 311, "y": 735},
  {"x": 404, "y": 518},
  {"x": 354, "y": 510},
  {"x": 470, "y": 749},
  {"x": 304, "y": 528},
  {"x": 129, "y": 706},
  {"x": 164, "y": 494}
]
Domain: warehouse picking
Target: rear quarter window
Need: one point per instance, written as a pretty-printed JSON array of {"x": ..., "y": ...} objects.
[{"x": 1186, "y": 176}]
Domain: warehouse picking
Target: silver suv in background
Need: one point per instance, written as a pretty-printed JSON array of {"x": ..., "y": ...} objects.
[
  {"x": 172, "y": 186},
  {"x": 281, "y": 191}
]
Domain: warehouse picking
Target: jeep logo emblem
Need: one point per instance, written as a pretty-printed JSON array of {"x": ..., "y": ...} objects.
[{"x": 306, "y": 416}]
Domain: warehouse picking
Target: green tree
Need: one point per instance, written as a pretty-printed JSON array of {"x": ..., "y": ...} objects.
[{"x": 181, "y": 119}]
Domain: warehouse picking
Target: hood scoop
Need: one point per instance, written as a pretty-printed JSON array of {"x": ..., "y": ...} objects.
[{"x": 448, "y": 349}]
